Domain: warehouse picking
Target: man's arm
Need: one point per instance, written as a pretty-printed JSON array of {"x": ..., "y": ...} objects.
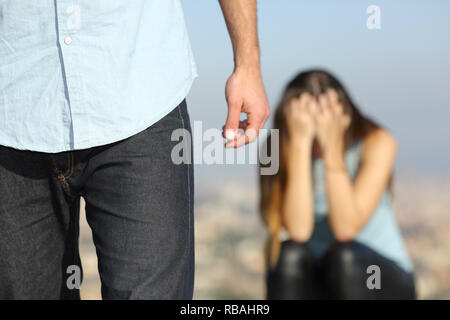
[{"x": 244, "y": 90}]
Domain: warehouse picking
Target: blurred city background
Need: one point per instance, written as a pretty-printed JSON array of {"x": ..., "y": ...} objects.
[{"x": 399, "y": 75}]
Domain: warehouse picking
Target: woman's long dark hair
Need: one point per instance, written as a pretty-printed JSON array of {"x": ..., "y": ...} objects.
[{"x": 314, "y": 82}]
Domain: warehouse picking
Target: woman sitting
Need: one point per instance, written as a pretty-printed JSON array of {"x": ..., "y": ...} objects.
[{"x": 332, "y": 200}]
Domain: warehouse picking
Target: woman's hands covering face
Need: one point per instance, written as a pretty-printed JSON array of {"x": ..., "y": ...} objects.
[
  {"x": 331, "y": 122},
  {"x": 300, "y": 118},
  {"x": 323, "y": 118}
]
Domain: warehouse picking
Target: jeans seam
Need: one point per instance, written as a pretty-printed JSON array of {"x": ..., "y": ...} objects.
[
  {"x": 188, "y": 182},
  {"x": 62, "y": 177},
  {"x": 69, "y": 169},
  {"x": 72, "y": 166}
]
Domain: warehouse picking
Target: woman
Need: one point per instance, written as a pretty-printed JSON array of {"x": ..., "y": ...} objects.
[{"x": 332, "y": 198}]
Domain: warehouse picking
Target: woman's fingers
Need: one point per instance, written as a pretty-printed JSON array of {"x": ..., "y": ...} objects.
[
  {"x": 324, "y": 106},
  {"x": 345, "y": 121},
  {"x": 304, "y": 100},
  {"x": 298, "y": 106},
  {"x": 301, "y": 103},
  {"x": 313, "y": 107},
  {"x": 332, "y": 96},
  {"x": 335, "y": 105}
]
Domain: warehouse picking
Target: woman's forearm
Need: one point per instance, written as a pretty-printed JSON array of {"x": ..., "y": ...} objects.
[
  {"x": 351, "y": 203},
  {"x": 298, "y": 208},
  {"x": 343, "y": 215}
]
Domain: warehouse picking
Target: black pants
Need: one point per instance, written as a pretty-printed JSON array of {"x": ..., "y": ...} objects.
[
  {"x": 342, "y": 274},
  {"x": 139, "y": 205}
]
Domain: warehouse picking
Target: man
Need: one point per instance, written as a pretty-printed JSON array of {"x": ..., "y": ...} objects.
[{"x": 90, "y": 92}]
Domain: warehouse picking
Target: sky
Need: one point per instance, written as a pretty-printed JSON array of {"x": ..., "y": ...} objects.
[{"x": 399, "y": 75}]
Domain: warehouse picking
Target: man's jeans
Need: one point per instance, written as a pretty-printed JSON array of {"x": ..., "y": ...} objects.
[{"x": 139, "y": 205}]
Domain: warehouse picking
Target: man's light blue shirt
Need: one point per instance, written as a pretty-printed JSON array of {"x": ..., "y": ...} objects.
[{"x": 75, "y": 74}]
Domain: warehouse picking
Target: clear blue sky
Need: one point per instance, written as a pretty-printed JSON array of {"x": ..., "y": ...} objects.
[{"x": 400, "y": 75}]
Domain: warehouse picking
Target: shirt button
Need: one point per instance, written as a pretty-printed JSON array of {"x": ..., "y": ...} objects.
[{"x": 67, "y": 40}]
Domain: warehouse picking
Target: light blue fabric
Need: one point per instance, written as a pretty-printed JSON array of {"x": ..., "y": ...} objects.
[
  {"x": 81, "y": 73},
  {"x": 381, "y": 233}
]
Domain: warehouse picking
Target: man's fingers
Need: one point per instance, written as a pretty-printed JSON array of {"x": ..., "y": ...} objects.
[
  {"x": 239, "y": 139},
  {"x": 243, "y": 124},
  {"x": 239, "y": 133},
  {"x": 232, "y": 123},
  {"x": 243, "y": 137}
]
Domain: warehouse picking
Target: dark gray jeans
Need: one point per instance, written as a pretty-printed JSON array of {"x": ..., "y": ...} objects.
[{"x": 139, "y": 205}]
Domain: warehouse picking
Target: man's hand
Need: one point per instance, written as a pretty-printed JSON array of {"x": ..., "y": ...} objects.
[
  {"x": 245, "y": 93},
  {"x": 245, "y": 90}
]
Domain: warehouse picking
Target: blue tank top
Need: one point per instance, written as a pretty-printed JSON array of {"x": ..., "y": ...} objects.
[{"x": 381, "y": 233}]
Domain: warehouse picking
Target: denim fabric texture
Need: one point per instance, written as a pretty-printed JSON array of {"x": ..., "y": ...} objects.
[{"x": 139, "y": 205}]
